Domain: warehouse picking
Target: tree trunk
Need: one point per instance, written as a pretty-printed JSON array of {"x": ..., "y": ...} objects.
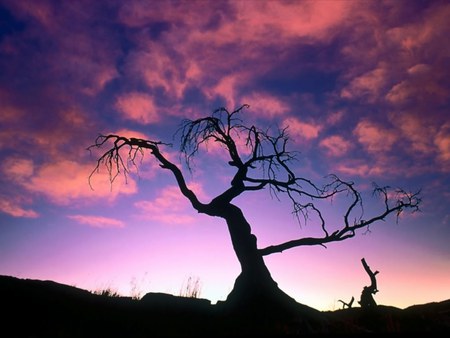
[
  {"x": 367, "y": 300},
  {"x": 254, "y": 288}
]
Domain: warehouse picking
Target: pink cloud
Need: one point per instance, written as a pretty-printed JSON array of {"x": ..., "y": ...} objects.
[
  {"x": 98, "y": 221},
  {"x": 74, "y": 117},
  {"x": 158, "y": 70},
  {"x": 131, "y": 133},
  {"x": 421, "y": 84},
  {"x": 18, "y": 168},
  {"x": 147, "y": 166},
  {"x": 417, "y": 132},
  {"x": 336, "y": 145},
  {"x": 415, "y": 37},
  {"x": 197, "y": 53},
  {"x": 300, "y": 19},
  {"x": 66, "y": 182},
  {"x": 142, "y": 13},
  {"x": 312, "y": 19},
  {"x": 226, "y": 88},
  {"x": 81, "y": 51},
  {"x": 442, "y": 141},
  {"x": 90, "y": 61},
  {"x": 425, "y": 141},
  {"x": 166, "y": 75},
  {"x": 416, "y": 84},
  {"x": 170, "y": 206},
  {"x": 300, "y": 22},
  {"x": 139, "y": 107},
  {"x": 396, "y": 61},
  {"x": 375, "y": 137},
  {"x": 335, "y": 117},
  {"x": 65, "y": 135},
  {"x": 43, "y": 12},
  {"x": 10, "y": 113},
  {"x": 264, "y": 105},
  {"x": 301, "y": 130},
  {"x": 383, "y": 165},
  {"x": 380, "y": 167},
  {"x": 368, "y": 85},
  {"x": 353, "y": 169},
  {"x": 103, "y": 74},
  {"x": 11, "y": 206}
]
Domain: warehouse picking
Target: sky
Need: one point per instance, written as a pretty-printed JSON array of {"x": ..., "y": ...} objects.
[{"x": 363, "y": 87}]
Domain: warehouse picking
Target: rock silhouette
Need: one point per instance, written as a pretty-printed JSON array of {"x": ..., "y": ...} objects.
[{"x": 34, "y": 308}]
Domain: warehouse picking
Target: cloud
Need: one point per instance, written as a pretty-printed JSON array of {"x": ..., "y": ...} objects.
[
  {"x": 147, "y": 166},
  {"x": 417, "y": 36},
  {"x": 422, "y": 83},
  {"x": 170, "y": 206},
  {"x": 157, "y": 69},
  {"x": 354, "y": 168},
  {"x": 81, "y": 51},
  {"x": 226, "y": 88},
  {"x": 380, "y": 166},
  {"x": 399, "y": 66},
  {"x": 299, "y": 130},
  {"x": 245, "y": 20},
  {"x": 261, "y": 21},
  {"x": 265, "y": 105},
  {"x": 335, "y": 117},
  {"x": 375, "y": 137},
  {"x": 12, "y": 206},
  {"x": 65, "y": 182},
  {"x": 336, "y": 145},
  {"x": 391, "y": 60},
  {"x": 98, "y": 221},
  {"x": 154, "y": 60},
  {"x": 368, "y": 85},
  {"x": 42, "y": 12},
  {"x": 17, "y": 168},
  {"x": 442, "y": 141},
  {"x": 223, "y": 48},
  {"x": 10, "y": 113},
  {"x": 125, "y": 132},
  {"x": 139, "y": 107},
  {"x": 415, "y": 131}
]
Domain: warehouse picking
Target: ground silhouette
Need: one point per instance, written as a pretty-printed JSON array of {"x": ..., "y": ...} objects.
[{"x": 35, "y": 308}]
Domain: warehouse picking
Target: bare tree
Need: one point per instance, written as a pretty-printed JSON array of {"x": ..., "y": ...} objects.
[
  {"x": 349, "y": 304},
  {"x": 267, "y": 163},
  {"x": 367, "y": 300}
]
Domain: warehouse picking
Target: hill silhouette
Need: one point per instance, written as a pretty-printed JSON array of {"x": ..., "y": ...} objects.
[{"x": 35, "y": 308}]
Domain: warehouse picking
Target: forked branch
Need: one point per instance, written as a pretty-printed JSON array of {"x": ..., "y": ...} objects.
[
  {"x": 266, "y": 163},
  {"x": 131, "y": 147},
  {"x": 395, "y": 202},
  {"x": 113, "y": 160}
]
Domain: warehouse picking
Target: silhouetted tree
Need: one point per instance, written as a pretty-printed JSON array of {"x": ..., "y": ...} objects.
[
  {"x": 366, "y": 300},
  {"x": 267, "y": 163},
  {"x": 349, "y": 304}
]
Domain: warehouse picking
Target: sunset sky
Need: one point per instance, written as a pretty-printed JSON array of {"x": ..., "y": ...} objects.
[{"x": 363, "y": 87}]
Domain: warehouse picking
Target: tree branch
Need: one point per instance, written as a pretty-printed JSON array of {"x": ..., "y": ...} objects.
[
  {"x": 115, "y": 164},
  {"x": 267, "y": 164},
  {"x": 373, "y": 280},
  {"x": 403, "y": 200}
]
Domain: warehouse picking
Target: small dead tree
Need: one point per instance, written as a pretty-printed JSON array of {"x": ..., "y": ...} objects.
[
  {"x": 349, "y": 304},
  {"x": 367, "y": 300}
]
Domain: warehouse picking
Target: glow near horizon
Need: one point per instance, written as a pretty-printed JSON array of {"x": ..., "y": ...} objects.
[{"x": 352, "y": 81}]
